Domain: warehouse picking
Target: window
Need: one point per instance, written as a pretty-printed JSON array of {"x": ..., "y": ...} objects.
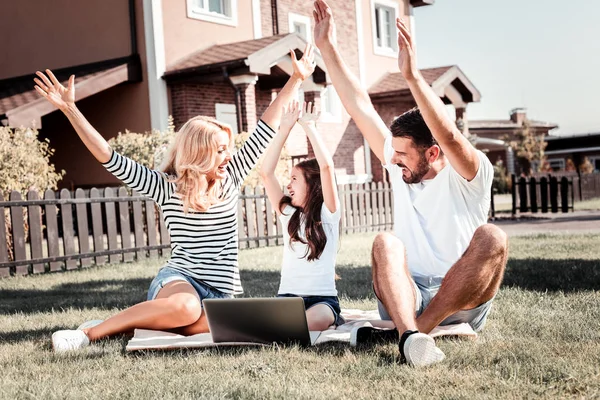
[
  {"x": 227, "y": 113},
  {"x": 331, "y": 110},
  {"x": 384, "y": 27},
  {"x": 595, "y": 163},
  {"x": 557, "y": 164},
  {"x": 218, "y": 11},
  {"x": 300, "y": 24}
]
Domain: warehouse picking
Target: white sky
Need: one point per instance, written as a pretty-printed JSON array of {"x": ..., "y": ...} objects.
[{"x": 540, "y": 54}]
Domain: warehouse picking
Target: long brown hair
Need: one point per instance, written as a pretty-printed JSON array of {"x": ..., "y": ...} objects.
[
  {"x": 310, "y": 213},
  {"x": 191, "y": 157}
]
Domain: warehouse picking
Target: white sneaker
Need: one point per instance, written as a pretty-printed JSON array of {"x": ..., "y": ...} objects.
[
  {"x": 420, "y": 350},
  {"x": 69, "y": 340},
  {"x": 90, "y": 324}
]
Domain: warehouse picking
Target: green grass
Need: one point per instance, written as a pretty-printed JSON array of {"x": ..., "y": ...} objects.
[
  {"x": 592, "y": 204},
  {"x": 542, "y": 339}
]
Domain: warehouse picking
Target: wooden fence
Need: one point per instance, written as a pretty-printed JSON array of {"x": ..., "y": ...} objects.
[
  {"x": 546, "y": 193},
  {"x": 66, "y": 231},
  {"x": 585, "y": 186}
]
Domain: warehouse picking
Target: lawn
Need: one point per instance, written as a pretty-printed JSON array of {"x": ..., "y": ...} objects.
[{"x": 542, "y": 339}]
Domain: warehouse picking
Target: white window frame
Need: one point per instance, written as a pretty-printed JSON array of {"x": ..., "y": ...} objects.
[
  {"x": 561, "y": 161},
  {"x": 593, "y": 160},
  {"x": 335, "y": 114},
  {"x": 229, "y": 109},
  {"x": 201, "y": 13},
  {"x": 384, "y": 50},
  {"x": 301, "y": 19}
]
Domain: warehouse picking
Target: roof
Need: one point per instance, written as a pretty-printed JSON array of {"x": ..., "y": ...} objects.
[
  {"x": 506, "y": 124},
  {"x": 395, "y": 81},
  {"x": 255, "y": 56},
  {"x": 222, "y": 54},
  {"x": 591, "y": 135},
  {"x": 448, "y": 82},
  {"x": 21, "y": 104}
]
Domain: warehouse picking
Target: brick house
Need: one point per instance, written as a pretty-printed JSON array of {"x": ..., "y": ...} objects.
[
  {"x": 576, "y": 148},
  {"x": 492, "y": 135},
  {"x": 139, "y": 61}
]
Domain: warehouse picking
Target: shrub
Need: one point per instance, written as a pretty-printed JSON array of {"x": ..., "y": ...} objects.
[
  {"x": 24, "y": 165},
  {"x": 25, "y": 162},
  {"x": 501, "y": 180},
  {"x": 146, "y": 148}
]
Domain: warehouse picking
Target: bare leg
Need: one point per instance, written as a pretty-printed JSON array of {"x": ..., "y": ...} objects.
[
  {"x": 392, "y": 281},
  {"x": 472, "y": 280},
  {"x": 319, "y": 317},
  {"x": 176, "y": 305},
  {"x": 200, "y": 326}
]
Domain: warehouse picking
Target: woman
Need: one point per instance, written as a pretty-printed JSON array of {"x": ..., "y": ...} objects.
[{"x": 197, "y": 190}]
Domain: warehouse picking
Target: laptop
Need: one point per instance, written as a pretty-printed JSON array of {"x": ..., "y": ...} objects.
[{"x": 258, "y": 320}]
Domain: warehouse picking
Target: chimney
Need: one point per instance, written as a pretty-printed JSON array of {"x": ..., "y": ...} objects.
[{"x": 518, "y": 115}]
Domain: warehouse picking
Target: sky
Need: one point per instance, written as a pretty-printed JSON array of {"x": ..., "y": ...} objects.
[{"x": 540, "y": 54}]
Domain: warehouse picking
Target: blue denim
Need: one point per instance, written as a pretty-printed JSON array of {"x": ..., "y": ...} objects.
[
  {"x": 426, "y": 288},
  {"x": 167, "y": 274},
  {"x": 330, "y": 301}
]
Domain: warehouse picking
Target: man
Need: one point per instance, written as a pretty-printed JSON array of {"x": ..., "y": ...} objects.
[{"x": 445, "y": 263}]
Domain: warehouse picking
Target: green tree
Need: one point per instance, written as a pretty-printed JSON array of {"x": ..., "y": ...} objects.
[{"x": 528, "y": 147}]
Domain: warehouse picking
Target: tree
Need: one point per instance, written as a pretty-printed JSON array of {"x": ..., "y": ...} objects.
[{"x": 528, "y": 147}]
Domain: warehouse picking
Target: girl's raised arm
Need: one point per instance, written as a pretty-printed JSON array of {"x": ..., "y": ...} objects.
[
  {"x": 269, "y": 164},
  {"x": 308, "y": 123}
]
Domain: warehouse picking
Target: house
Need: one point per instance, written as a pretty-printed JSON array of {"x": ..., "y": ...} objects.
[
  {"x": 575, "y": 147},
  {"x": 139, "y": 61},
  {"x": 493, "y": 135}
]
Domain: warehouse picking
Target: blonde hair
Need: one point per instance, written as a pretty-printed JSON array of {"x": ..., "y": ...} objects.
[{"x": 191, "y": 156}]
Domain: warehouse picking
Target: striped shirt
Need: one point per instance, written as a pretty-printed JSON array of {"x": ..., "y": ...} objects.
[{"x": 204, "y": 245}]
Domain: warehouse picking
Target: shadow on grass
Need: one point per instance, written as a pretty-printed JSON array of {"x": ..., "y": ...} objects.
[
  {"x": 102, "y": 294},
  {"x": 528, "y": 274},
  {"x": 569, "y": 275}
]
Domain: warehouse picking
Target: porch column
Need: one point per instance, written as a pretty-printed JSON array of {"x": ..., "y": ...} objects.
[
  {"x": 461, "y": 120},
  {"x": 246, "y": 84},
  {"x": 510, "y": 160}
]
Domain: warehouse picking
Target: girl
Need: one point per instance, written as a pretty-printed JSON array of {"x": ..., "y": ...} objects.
[
  {"x": 310, "y": 218},
  {"x": 197, "y": 190}
]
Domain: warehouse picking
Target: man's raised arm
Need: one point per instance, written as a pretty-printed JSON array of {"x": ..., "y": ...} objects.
[
  {"x": 355, "y": 99},
  {"x": 460, "y": 152}
]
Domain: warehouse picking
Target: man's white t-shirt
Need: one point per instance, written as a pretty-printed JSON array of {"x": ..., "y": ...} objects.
[
  {"x": 309, "y": 278},
  {"x": 436, "y": 219}
]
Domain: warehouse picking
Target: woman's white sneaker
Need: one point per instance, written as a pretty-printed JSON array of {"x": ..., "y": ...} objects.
[{"x": 69, "y": 340}]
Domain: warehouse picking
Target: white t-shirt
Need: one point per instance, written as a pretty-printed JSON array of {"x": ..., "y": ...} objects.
[
  {"x": 436, "y": 219},
  {"x": 309, "y": 278}
]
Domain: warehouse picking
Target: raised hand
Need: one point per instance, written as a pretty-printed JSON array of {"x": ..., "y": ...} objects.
[
  {"x": 304, "y": 67},
  {"x": 310, "y": 115},
  {"x": 407, "y": 61},
  {"x": 290, "y": 116},
  {"x": 324, "y": 32},
  {"x": 58, "y": 95}
]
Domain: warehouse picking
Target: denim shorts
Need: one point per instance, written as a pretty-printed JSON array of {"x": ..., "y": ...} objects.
[
  {"x": 426, "y": 288},
  {"x": 330, "y": 301},
  {"x": 167, "y": 274}
]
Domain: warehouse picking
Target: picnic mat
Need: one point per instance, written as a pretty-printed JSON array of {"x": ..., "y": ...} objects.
[{"x": 145, "y": 339}]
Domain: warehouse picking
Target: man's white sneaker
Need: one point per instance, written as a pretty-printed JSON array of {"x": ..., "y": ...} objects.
[
  {"x": 69, "y": 340},
  {"x": 419, "y": 350},
  {"x": 90, "y": 324}
]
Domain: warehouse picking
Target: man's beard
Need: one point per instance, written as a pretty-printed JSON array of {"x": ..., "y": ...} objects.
[{"x": 418, "y": 173}]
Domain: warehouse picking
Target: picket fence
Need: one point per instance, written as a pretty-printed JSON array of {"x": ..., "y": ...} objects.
[{"x": 72, "y": 230}]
